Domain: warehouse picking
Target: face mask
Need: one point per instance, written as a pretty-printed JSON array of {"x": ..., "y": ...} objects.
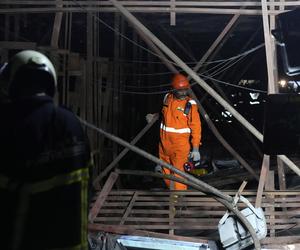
[{"x": 181, "y": 94}]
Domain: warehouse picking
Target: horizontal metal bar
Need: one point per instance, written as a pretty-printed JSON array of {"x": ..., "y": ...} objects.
[
  {"x": 182, "y": 10},
  {"x": 154, "y": 3}
]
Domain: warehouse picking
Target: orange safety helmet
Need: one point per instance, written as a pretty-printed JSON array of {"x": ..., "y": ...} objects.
[{"x": 179, "y": 81}]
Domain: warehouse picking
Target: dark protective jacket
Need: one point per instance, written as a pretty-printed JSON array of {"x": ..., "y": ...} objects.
[{"x": 43, "y": 176}]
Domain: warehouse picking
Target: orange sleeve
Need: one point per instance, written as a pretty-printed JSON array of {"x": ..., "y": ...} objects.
[{"x": 195, "y": 125}]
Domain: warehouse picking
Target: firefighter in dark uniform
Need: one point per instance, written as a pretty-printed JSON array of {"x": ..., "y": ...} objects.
[{"x": 43, "y": 164}]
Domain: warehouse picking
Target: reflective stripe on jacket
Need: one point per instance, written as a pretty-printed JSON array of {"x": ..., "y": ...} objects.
[
  {"x": 43, "y": 187},
  {"x": 26, "y": 191}
]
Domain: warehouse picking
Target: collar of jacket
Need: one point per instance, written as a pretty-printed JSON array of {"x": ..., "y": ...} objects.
[
  {"x": 33, "y": 100},
  {"x": 185, "y": 99}
]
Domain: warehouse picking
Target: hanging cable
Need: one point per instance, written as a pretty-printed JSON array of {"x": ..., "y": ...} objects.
[
  {"x": 120, "y": 34},
  {"x": 225, "y": 61},
  {"x": 149, "y": 51},
  {"x": 195, "y": 62},
  {"x": 226, "y": 67},
  {"x": 192, "y": 84},
  {"x": 234, "y": 85}
]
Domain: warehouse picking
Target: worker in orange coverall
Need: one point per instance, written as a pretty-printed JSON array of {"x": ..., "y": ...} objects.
[{"x": 180, "y": 129}]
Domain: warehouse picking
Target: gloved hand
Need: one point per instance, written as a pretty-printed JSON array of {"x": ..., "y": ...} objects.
[
  {"x": 158, "y": 169},
  {"x": 149, "y": 117},
  {"x": 195, "y": 154}
]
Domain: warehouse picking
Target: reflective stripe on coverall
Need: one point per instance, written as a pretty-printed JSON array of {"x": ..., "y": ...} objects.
[
  {"x": 43, "y": 177},
  {"x": 79, "y": 176},
  {"x": 178, "y": 132}
]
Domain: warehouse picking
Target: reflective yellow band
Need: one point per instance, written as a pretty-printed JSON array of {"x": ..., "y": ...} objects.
[
  {"x": 64, "y": 179},
  {"x": 60, "y": 180},
  {"x": 80, "y": 175}
]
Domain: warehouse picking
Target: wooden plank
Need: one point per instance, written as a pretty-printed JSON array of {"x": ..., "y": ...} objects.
[
  {"x": 196, "y": 193},
  {"x": 183, "y": 204},
  {"x": 270, "y": 185},
  {"x": 286, "y": 221},
  {"x": 128, "y": 209},
  {"x": 165, "y": 203},
  {"x": 172, "y": 208},
  {"x": 102, "y": 196},
  {"x": 262, "y": 179},
  {"x": 196, "y": 213},
  {"x": 172, "y": 227},
  {"x": 272, "y": 223},
  {"x": 281, "y": 174},
  {"x": 281, "y": 240},
  {"x": 56, "y": 28},
  {"x": 17, "y": 45},
  {"x": 147, "y": 220},
  {"x": 190, "y": 226}
]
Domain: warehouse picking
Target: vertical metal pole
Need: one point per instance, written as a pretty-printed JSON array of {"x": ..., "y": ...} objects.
[
  {"x": 280, "y": 164},
  {"x": 268, "y": 46},
  {"x": 172, "y": 13},
  {"x": 56, "y": 28}
]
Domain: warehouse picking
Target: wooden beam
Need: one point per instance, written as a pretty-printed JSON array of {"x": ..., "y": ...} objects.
[
  {"x": 282, "y": 240},
  {"x": 102, "y": 196},
  {"x": 262, "y": 180},
  {"x": 56, "y": 27},
  {"x": 270, "y": 186},
  {"x": 17, "y": 45},
  {"x": 281, "y": 174},
  {"x": 192, "y": 193},
  {"x": 129, "y": 207}
]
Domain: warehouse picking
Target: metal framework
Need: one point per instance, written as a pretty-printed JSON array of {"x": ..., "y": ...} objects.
[
  {"x": 93, "y": 69},
  {"x": 172, "y": 7}
]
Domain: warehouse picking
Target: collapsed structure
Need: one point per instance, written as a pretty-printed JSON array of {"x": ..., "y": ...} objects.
[{"x": 93, "y": 86}]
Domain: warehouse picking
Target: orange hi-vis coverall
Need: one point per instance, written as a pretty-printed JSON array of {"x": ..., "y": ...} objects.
[{"x": 178, "y": 132}]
